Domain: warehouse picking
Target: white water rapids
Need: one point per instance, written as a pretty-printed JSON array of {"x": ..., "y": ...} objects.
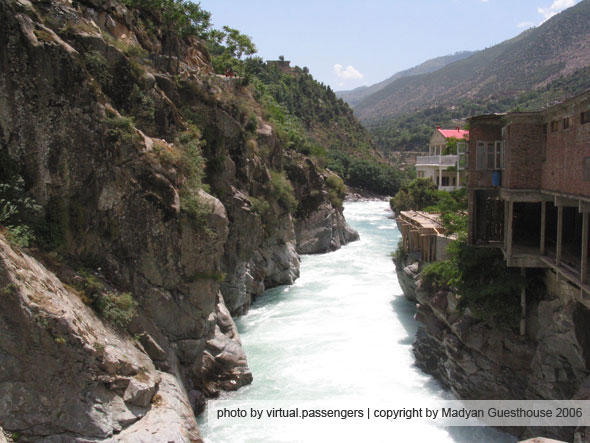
[{"x": 344, "y": 330}]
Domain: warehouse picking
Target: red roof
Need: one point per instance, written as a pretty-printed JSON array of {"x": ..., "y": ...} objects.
[{"x": 457, "y": 133}]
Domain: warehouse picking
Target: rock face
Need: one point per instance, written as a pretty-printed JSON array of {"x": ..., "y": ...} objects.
[
  {"x": 59, "y": 362},
  {"x": 407, "y": 270},
  {"x": 479, "y": 361},
  {"x": 320, "y": 225},
  {"x": 121, "y": 203},
  {"x": 322, "y": 231}
]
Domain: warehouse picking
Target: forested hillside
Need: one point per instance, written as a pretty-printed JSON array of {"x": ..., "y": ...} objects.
[
  {"x": 538, "y": 67},
  {"x": 357, "y": 95},
  {"x": 313, "y": 121}
]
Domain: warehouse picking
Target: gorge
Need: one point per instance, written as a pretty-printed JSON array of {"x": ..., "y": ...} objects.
[{"x": 342, "y": 333}]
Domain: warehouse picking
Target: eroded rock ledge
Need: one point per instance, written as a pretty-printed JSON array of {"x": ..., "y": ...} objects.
[{"x": 476, "y": 360}]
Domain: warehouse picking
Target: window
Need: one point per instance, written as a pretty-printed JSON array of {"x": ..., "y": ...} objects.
[
  {"x": 463, "y": 153},
  {"x": 489, "y": 155},
  {"x": 585, "y": 117},
  {"x": 420, "y": 174},
  {"x": 554, "y": 126},
  {"x": 586, "y": 169},
  {"x": 566, "y": 123}
]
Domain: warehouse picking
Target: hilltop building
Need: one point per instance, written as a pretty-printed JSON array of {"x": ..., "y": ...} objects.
[
  {"x": 445, "y": 170},
  {"x": 284, "y": 66},
  {"x": 529, "y": 188}
]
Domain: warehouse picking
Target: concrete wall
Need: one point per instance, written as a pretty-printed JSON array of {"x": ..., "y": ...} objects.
[
  {"x": 437, "y": 139},
  {"x": 441, "y": 247}
]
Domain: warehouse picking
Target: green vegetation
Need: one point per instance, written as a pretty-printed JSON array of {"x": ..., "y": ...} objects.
[
  {"x": 8, "y": 290},
  {"x": 480, "y": 276},
  {"x": 366, "y": 173},
  {"x": 310, "y": 119},
  {"x": 120, "y": 128},
  {"x": 141, "y": 105},
  {"x": 421, "y": 194},
  {"x": 336, "y": 190},
  {"x": 97, "y": 65},
  {"x": 118, "y": 308},
  {"x": 19, "y": 213},
  {"x": 179, "y": 19},
  {"x": 192, "y": 165},
  {"x": 417, "y": 195},
  {"x": 412, "y": 131},
  {"x": 282, "y": 191},
  {"x": 259, "y": 206},
  {"x": 227, "y": 48}
]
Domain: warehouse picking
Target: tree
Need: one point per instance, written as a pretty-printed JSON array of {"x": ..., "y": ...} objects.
[
  {"x": 419, "y": 194},
  {"x": 228, "y": 47},
  {"x": 179, "y": 19}
]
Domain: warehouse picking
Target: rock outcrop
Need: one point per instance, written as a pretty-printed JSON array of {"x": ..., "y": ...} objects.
[
  {"x": 478, "y": 360},
  {"x": 408, "y": 270},
  {"x": 110, "y": 143},
  {"x": 66, "y": 375}
]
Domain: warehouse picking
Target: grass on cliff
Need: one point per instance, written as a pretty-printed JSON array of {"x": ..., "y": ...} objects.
[
  {"x": 282, "y": 191},
  {"x": 118, "y": 308},
  {"x": 485, "y": 285},
  {"x": 19, "y": 213},
  {"x": 336, "y": 190}
]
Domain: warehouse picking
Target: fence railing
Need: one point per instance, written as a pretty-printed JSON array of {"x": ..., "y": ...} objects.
[{"x": 441, "y": 160}]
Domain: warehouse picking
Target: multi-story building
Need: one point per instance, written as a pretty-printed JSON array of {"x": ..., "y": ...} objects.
[
  {"x": 529, "y": 187},
  {"x": 445, "y": 170}
]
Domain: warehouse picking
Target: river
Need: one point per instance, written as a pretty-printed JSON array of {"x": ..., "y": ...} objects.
[{"x": 343, "y": 330}]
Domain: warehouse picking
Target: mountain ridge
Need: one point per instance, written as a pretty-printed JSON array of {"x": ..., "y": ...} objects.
[
  {"x": 355, "y": 96},
  {"x": 530, "y": 60}
]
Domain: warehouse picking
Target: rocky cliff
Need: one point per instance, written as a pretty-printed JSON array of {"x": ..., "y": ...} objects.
[
  {"x": 477, "y": 359},
  {"x": 164, "y": 207}
]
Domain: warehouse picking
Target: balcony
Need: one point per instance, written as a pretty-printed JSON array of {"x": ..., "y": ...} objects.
[
  {"x": 437, "y": 160},
  {"x": 449, "y": 188}
]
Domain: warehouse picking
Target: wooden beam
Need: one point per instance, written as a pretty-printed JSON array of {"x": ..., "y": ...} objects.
[
  {"x": 523, "y": 305},
  {"x": 559, "y": 234},
  {"x": 543, "y": 227}
]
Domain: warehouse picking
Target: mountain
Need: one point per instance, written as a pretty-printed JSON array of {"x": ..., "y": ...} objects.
[
  {"x": 357, "y": 95},
  {"x": 532, "y": 60}
]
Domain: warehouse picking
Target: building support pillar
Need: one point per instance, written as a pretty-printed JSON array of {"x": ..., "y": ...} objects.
[
  {"x": 559, "y": 235},
  {"x": 543, "y": 227},
  {"x": 440, "y": 178},
  {"x": 523, "y": 304},
  {"x": 584, "y": 260},
  {"x": 509, "y": 230}
]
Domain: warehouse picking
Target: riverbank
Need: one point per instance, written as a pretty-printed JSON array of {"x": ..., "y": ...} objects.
[
  {"x": 342, "y": 334},
  {"x": 478, "y": 359}
]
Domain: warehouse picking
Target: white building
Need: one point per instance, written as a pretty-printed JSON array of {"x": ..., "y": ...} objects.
[{"x": 446, "y": 171}]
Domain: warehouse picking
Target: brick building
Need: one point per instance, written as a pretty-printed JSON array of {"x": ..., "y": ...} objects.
[{"x": 529, "y": 187}]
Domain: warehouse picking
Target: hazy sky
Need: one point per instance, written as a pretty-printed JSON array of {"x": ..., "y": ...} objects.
[{"x": 348, "y": 43}]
